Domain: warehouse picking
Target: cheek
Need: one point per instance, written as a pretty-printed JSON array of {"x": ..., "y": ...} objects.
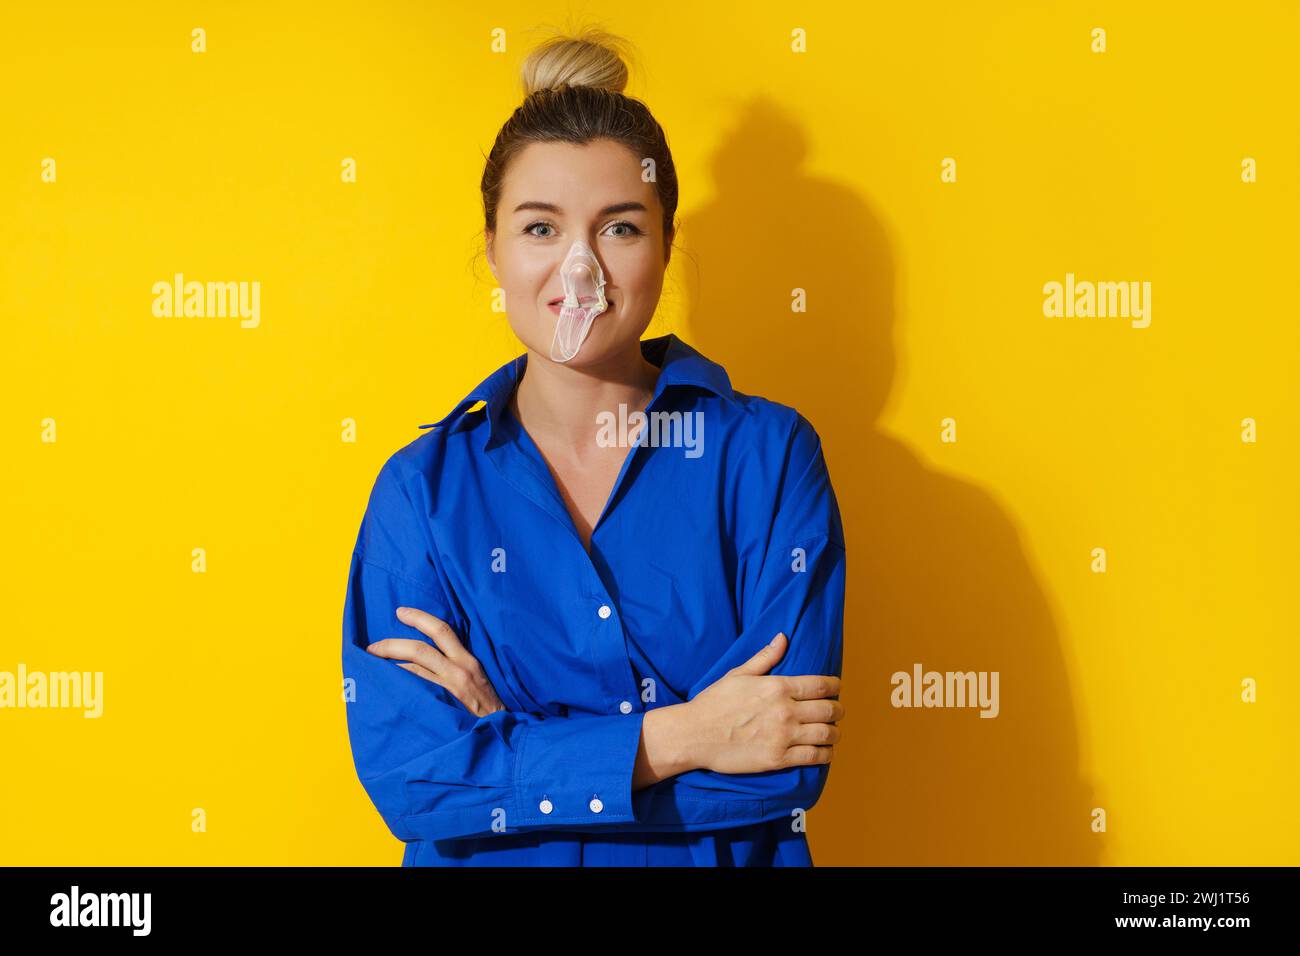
[
  {"x": 527, "y": 276},
  {"x": 640, "y": 281},
  {"x": 526, "y": 284}
]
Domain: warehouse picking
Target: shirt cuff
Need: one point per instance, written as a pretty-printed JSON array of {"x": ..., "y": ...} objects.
[{"x": 577, "y": 770}]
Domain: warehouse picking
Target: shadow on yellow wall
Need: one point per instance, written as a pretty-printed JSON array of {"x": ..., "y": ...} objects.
[{"x": 936, "y": 571}]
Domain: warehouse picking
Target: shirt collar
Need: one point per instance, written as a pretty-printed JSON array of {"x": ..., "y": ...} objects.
[{"x": 679, "y": 365}]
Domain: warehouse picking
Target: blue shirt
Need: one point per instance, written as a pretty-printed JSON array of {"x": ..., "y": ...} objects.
[{"x": 713, "y": 539}]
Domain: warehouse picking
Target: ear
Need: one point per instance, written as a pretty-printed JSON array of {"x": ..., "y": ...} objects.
[{"x": 491, "y": 256}]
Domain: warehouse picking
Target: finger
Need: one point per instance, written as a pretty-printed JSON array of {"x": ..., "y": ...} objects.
[
  {"x": 403, "y": 649},
  {"x": 437, "y": 629},
  {"x": 471, "y": 704},
  {"x": 807, "y": 755},
  {"x": 765, "y": 659},
  {"x": 422, "y": 672},
  {"x": 821, "y": 711},
  {"x": 819, "y": 735},
  {"x": 812, "y": 686}
]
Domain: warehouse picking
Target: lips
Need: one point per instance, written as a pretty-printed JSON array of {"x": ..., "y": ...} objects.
[{"x": 556, "y": 304}]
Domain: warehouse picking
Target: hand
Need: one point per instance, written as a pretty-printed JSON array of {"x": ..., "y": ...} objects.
[
  {"x": 449, "y": 666},
  {"x": 749, "y": 721}
]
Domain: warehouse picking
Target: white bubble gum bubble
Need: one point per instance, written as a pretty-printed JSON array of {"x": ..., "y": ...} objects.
[{"x": 584, "y": 299}]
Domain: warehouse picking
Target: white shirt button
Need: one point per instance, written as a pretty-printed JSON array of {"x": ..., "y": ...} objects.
[
  {"x": 596, "y": 805},
  {"x": 604, "y": 611},
  {"x": 545, "y": 806},
  {"x": 625, "y": 707}
]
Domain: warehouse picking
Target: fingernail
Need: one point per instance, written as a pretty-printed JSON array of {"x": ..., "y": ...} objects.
[
  {"x": 403, "y": 611},
  {"x": 774, "y": 640}
]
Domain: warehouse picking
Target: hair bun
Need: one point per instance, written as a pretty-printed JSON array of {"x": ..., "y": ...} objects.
[{"x": 593, "y": 58}]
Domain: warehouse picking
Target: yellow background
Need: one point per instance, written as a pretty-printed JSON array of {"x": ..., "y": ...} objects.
[{"x": 818, "y": 171}]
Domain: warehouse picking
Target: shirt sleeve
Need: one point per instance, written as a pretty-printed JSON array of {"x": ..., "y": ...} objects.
[
  {"x": 797, "y": 588},
  {"x": 432, "y": 769}
]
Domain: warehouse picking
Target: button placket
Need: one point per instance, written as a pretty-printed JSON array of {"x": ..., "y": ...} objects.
[{"x": 625, "y": 707}]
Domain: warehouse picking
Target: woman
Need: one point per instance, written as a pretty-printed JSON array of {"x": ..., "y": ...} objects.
[{"x": 575, "y": 637}]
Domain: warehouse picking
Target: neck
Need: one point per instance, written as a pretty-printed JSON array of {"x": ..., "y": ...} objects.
[{"x": 561, "y": 403}]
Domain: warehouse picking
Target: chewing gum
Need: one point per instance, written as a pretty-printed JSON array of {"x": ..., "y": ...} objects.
[{"x": 584, "y": 299}]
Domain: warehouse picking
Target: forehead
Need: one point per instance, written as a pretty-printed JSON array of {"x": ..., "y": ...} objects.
[{"x": 576, "y": 178}]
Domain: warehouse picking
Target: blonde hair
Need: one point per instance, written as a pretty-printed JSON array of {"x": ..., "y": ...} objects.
[
  {"x": 593, "y": 58},
  {"x": 573, "y": 93}
]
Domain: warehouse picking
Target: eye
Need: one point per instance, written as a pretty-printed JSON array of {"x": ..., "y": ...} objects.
[
  {"x": 528, "y": 229},
  {"x": 632, "y": 226}
]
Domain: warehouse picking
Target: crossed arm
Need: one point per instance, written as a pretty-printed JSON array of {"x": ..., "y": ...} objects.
[
  {"x": 442, "y": 759},
  {"x": 742, "y": 724}
]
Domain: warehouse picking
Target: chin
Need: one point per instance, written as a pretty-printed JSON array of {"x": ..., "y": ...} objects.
[{"x": 593, "y": 352}]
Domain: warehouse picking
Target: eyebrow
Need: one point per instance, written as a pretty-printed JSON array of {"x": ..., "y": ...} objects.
[{"x": 607, "y": 211}]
